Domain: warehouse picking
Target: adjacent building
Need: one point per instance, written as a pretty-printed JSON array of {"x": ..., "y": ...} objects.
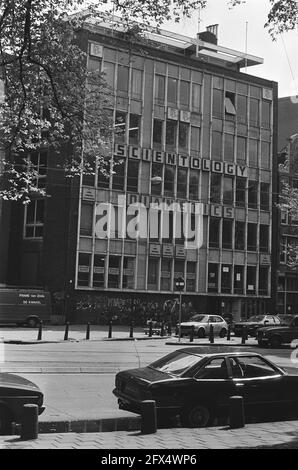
[{"x": 195, "y": 145}]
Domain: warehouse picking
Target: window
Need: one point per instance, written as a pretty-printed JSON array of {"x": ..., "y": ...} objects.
[
  {"x": 118, "y": 173},
  {"x": 195, "y": 139},
  {"x": 156, "y": 179},
  {"x": 191, "y": 276},
  {"x": 228, "y": 190},
  {"x": 86, "y": 219},
  {"x": 157, "y": 132},
  {"x": 265, "y": 155},
  {"x": 136, "y": 83},
  {"x": 172, "y": 91},
  {"x": 114, "y": 272},
  {"x": 184, "y": 94},
  {"x": 226, "y": 279},
  {"x": 251, "y": 237},
  {"x": 241, "y": 150},
  {"x": 264, "y": 238},
  {"x": 230, "y": 111},
  {"x": 263, "y": 280},
  {"x": 215, "y": 188},
  {"x": 109, "y": 71},
  {"x": 84, "y": 269},
  {"x": 251, "y": 280},
  {"x": 239, "y": 235},
  {"x": 128, "y": 272},
  {"x": 94, "y": 65},
  {"x": 193, "y": 184},
  {"x": 160, "y": 89},
  {"x": 169, "y": 180},
  {"x": 152, "y": 273},
  {"x": 171, "y": 132},
  {"x": 166, "y": 274},
  {"x": 196, "y": 97},
  {"x": 240, "y": 191},
  {"x": 266, "y": 114},
  {"x": 238, "y": 279},
  {"x": 254, "y": 112},
  {"x": 215, "y": 369},
  {"x": 122, "y": 78},
  {"x": 264, "y": 196},
  {"x": 212, "y": 277},
  {"x": 229, "y": 148},
  {"x": 214, "y": 232},
  {"x": 132, "y": 176},
  {"x": 99, "y": 271},
  {"x": 216, "y": 148},
  {"x": 227, "y": 231},
  {"x": 253, "y": 194},
  {"x": 242, "y": 109},
  {"x": 183, "y": 135},
  {"x": 182, "y": 183},
  {"x": 134, "y": 129},
  {"x": 253, "y": 152},
  {"x": 178, "y": 268},
  {"x": 38, "y": 164},
  {"x": 103, "y": 180},
  {"x": 255, "y": 366},
  {"x": 120, "y": 126},
  {"x": 217, "y": 110},
  {"x": 34, "y": 218}
]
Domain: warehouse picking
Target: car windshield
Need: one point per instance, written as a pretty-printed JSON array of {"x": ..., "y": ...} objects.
[
  {"x": 198, "y": 318},
  {"x": 175, "y": 363},
  {"x": 257, "y": 318}
]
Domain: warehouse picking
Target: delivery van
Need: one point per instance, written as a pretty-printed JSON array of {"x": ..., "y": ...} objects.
[{"x": 24, "y": 306}]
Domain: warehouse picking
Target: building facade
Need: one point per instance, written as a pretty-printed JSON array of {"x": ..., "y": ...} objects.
[{"x": 195, "y": 146}]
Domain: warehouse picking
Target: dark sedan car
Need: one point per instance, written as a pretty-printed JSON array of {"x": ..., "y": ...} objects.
[
  {"x": 284, "y": 333},
  {"x": 197, "y": 385},
  {"x": 253, "y": 323},
  {"x": 16, "y": 391}
]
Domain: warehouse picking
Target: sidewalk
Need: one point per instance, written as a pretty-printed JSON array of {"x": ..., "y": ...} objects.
[{"x": 278, "y": 435}]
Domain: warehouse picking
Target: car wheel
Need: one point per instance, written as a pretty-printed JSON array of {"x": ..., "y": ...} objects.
[
  {"x": 196, "y": 416},
  {"x": 222, "y": 333},
  {"x": 275, "y": 342},
  {"x": 5, "y": 421},
  {"x": 32, "y": 322},
  {"x": 201, "y": 333}
]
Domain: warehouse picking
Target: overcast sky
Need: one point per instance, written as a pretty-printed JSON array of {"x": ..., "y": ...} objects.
[{"x": 280, "y": 57}]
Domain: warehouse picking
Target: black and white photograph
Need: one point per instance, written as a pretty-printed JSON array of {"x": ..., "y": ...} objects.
[{"x": 148, "y": 228}]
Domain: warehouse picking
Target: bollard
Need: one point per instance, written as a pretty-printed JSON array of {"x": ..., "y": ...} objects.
[
  {"x": 211, "y": 334},
  {"x": 237, "y": 419},
  {"x": 229, "y": 333},
  {"x": 131, "y": 330},
  {"x": 110, "y": 329},
  {"x": 192, "y": 333},
  {"x": 150, "y": 329},
  {"x": 66, "y": 331},
  {"x": 29, "y": 422},
  {"x": 162, "y": 329},
  {"x": 88, "y": 331},
  {"x": 149, "y": 417},
  {"x": 244, "y": 335},
  {"x": 169, "y": 330},
  {"x": 39, "y": 336}
]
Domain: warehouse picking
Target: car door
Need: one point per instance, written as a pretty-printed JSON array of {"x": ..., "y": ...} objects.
[
  {"x": 214, "y": 384},
  {"x": 258, "y": 382}
]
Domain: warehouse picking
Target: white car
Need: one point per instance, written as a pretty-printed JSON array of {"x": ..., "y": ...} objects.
[{"x": 201, "y": 323}]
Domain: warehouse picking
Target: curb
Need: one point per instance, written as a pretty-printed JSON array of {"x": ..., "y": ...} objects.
[
  {"x": 132, "y": 423},
  {"x": 73, "y": 340},
  {"x": 189, "y": 343}
]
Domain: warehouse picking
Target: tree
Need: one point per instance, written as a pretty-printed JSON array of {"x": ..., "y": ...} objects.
[{"x": 45, "y": 77}]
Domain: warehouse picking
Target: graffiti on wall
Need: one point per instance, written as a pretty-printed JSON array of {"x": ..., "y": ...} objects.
[{"x": 103, "y": 309}]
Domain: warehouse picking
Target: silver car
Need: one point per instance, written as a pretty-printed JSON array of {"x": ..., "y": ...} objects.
[{"x": 201, "y": 323}]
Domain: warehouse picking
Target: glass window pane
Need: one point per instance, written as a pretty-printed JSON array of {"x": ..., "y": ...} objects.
[
  {"x": 194, "y": 184},
  {"x": 132, "y": 176},
  {"x": 122, "y": 81},
  {"x": 229, "y": 148},
  {"x": 196, "y": 97},
  {"x": 172, "y": 91},
  {"x": 183, "y": 135},
  {"x": 228, "y": 190},
  {"x": 217, "y": 108},
  {"x": 239, "y": 235},
  {"x": 184, "y": 93},
  {"x": 86, "y": 219},
  {"x": 134, "y": 129},
  {"x": 227, "y": 234},
  {"x": 171, "y": 129},
  {"x": 195, "y": 139},
  {"x": 160, "y": 88},
  {"x": 157, "y": 131},
  {"x": 214, "y": 224},
  {"x": 253, "y": 152},
  {"x": 216, "y": 149},
  {"x": 169, "y": 180},
  {"x": 212, "y": 277},
  {"x": 182, "y": 183},
  {"x": 136, "y": 83},
  {"x": 215, "y": 188}
]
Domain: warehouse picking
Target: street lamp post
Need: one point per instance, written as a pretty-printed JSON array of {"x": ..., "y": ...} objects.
[{"x": 179, "y": 284}]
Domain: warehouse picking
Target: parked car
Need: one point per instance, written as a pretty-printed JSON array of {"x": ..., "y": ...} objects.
[
  {"x": 201, "y": 323},
  {"x": 16, "y": 391},
  {"x": 284, "y": 333},
  {"x": 253, "y": 323},
  {"x": 197, "y": 385}
]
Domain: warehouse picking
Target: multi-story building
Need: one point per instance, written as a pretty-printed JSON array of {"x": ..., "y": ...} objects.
[{"x": 193, "y": 132}]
